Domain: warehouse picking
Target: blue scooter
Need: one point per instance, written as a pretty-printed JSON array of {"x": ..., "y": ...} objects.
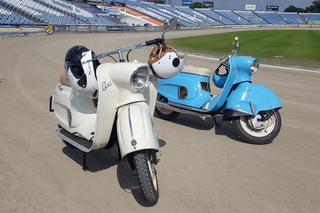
[{"x": 251, "y": 108}]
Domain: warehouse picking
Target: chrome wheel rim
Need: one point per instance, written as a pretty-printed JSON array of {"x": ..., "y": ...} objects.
[
  {"x": 257, "y": 128},
  {"x": 153, "y": 172},
  {"x": 164, "y": 111}
]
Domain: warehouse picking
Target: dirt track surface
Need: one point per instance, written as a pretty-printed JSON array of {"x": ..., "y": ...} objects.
[{"x": 202, "y": 168}]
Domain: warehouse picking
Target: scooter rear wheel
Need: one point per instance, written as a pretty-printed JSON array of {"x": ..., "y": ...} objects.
[
  {"x": 166, "y": 113},
  {"x": 147, "y": 176},
  {"x": 256, "y": 130}
]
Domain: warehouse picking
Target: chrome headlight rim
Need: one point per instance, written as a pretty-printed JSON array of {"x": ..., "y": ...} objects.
[
  {"x": 254, "y": 67},
  {"x": 140, "y": 78}
]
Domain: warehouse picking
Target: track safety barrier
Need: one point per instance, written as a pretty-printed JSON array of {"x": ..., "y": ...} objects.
[
  {"x": 48, "y": 29},
  {"x": 41, "y": 29}
]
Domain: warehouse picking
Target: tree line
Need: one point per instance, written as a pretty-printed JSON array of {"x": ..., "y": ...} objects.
[{"x": 314, "y": 8}]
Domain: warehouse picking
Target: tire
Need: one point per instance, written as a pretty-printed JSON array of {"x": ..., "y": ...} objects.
[
  {"x": 147, "y": 176},
  {"x": 264, "y": 134},
  {"x": 165, "y": 113}
]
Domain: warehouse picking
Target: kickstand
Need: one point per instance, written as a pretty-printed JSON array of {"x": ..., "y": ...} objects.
[{"x": 84, "y": 161}]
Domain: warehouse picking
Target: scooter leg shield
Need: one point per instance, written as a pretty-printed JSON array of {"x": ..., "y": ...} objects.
[
  {"x": 252, "y": 98},
  {"x": 150, "y": 94},
  {"x": 135, "y": 129}
]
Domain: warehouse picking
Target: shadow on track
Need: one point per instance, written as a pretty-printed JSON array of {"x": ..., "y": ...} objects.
[
  {"x": 96, "y": 160},
  {"x": 196, "y": 122},
  {"x": 103, "y": 159}
]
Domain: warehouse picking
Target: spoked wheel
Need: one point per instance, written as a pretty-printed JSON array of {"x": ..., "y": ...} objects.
[
  {"x": 259, "y": 129},
  {"x": 147, "y": 175},
  {"x": 164, "y": 113}
]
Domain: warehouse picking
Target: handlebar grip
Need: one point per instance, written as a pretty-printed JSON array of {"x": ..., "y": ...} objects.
[{"x": 154, "y": 41}]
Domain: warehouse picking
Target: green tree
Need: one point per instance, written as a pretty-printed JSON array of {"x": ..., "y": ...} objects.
[
  {"x": 314, "y": 8},
  {"x": 197, "y": 5},
  {"x": 292, "y": 8}
]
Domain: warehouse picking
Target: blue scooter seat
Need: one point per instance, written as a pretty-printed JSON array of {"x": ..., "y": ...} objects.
[{"x": 197, "y": 70}]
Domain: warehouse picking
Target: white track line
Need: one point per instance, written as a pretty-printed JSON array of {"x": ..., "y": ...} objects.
[{"x": 283, "y": 68}]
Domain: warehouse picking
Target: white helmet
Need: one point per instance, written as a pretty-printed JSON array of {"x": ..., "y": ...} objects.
[
  {"x": 165, "y": 62},
  {"x": 82, "y": 76}
]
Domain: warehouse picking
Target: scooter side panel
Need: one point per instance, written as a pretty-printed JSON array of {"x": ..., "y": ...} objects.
[
  {"x": 69, "y": 118},
  {"x": 252, "y": 98},
  {"x": 196, "y": 97},
  {"x": 135, "y": 129}
]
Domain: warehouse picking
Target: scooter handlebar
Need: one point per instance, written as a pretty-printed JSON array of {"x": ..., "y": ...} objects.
[
  {"x": 119, "y": 51},
  {"x": 154, "y": 41}
]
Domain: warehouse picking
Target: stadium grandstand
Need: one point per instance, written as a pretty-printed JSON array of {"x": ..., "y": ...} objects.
[
  {"x": 138, "y": 13},
  {"x": 55, "y": 12}
]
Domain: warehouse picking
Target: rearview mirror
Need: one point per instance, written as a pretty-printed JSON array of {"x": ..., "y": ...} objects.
[
  {"x": 172, "y": 24},
  {"x": 236, "y": 45}
]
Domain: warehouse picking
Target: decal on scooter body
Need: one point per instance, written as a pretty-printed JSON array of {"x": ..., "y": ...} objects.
[{"x": 106, "y": 85}]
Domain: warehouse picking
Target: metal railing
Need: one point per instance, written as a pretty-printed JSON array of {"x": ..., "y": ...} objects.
[{"x": 85, "y": 28}]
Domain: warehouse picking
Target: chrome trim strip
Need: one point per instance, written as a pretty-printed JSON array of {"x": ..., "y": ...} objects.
[
  {"x": 133, "y": 141},
  {"x": 130, "y": 122},
  {"x": 206, "y": 105},
  {"x": 176, "y": 109},
  {"x": 189, "y": 108},
  {"x": 252, "y": 107}
]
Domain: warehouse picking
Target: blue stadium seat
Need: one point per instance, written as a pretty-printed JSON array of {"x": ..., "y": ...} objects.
[
  {"x": 8, "y": 16},
  {"x": 233, "y": 17},
  {"x": 291, "y": 18},
  {"x": 199, "y": 18},
  {"x": 140, "y": 8},
  {"x": 183, "y": 18},
  {"x": 311, "y": 16},
  {"x": 212, "y": 14},
  {"x": 270, "y": 17},
  {"x": 59, "y": 12},
  {"x": 63, "y": 12},
  {"x": 251, "y": 17}
]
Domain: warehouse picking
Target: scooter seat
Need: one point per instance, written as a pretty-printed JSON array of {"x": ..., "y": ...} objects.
[
  {"x": 64, "y": 79},
  {"x": 197, "y": 70}
]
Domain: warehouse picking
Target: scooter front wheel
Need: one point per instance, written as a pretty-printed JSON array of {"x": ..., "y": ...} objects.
[
  {"x": 259, "y": 129},
  {"x": 147, "y": 176}
]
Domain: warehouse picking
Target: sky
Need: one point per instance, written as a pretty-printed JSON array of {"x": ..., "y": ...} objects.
[{"x": 260, "y": 4}]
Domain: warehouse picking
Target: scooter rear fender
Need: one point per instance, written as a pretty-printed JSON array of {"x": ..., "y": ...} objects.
[
  {"x": 135, "y": 129},
  {"x": 250, "y": 98}
]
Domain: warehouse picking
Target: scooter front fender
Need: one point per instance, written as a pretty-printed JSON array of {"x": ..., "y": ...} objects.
[
  {"x": 135, "y": 129},
  {"x": 249, "y": 98}
]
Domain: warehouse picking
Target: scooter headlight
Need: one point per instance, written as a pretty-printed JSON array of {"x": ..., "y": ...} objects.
[
  {"x": 255, "y": 66},
  {"x": 140, "y": 78}
]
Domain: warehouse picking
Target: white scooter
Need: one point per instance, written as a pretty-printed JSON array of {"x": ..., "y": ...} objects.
[{"x": 124, "y": 108}]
